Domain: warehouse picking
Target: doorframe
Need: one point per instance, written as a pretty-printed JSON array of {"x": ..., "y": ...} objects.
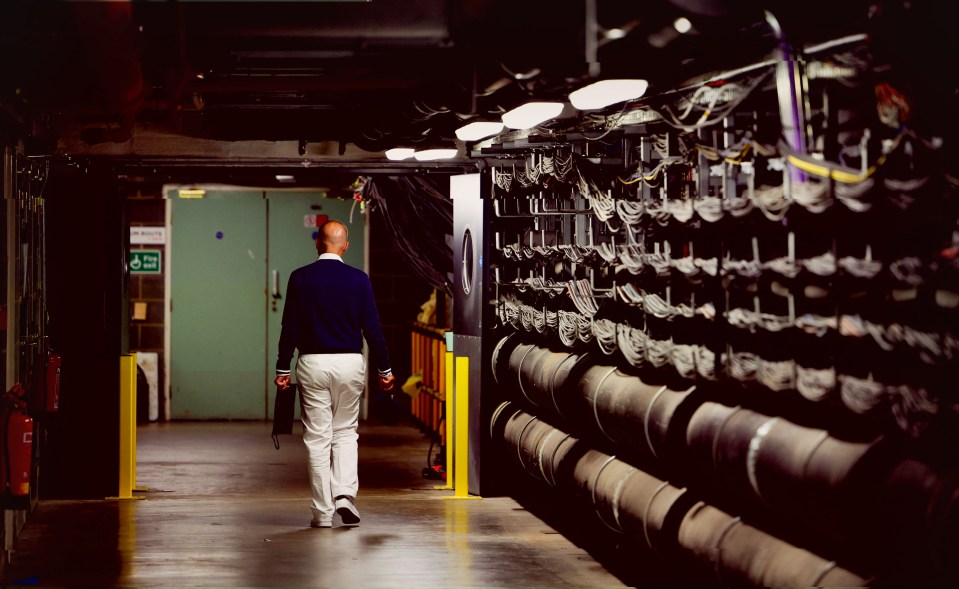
[{"x": 166, "y": 192}]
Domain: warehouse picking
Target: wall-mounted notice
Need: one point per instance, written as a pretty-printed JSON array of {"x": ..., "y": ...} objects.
[{"x": 147, "y": 235}]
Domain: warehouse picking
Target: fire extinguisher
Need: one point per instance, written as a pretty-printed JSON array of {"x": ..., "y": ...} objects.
[
  {"x": 46, "y": 397},
  {"x": 17, "y": 438}
]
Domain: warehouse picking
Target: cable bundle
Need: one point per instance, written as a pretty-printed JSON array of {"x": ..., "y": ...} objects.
[
  {"x": 604, "y": 331},
  {"x": 407, "y": 204}
]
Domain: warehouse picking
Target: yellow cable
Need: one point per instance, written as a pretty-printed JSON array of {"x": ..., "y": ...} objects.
[{"x": 837, "y": 175}]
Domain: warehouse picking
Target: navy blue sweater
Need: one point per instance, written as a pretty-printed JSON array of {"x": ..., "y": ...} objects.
[{"x": 329, "y": 309}]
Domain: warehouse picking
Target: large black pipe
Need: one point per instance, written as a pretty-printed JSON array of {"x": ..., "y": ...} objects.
[
  {"x": 601, "y": 398},
  {"x": 784, "y": 465},
  {"x": 633, "y": 502},
  {"x": 867, "y": 493}
]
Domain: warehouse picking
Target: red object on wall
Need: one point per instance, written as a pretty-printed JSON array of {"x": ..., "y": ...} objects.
[
  {"x": 15, "y": 460},
  {"x": 45, "y": 394}
]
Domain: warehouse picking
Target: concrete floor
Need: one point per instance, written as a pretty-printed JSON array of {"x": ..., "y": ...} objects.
[{"x": 226, "y": 509}]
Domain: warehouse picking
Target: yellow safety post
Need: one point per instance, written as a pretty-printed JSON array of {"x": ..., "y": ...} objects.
[
  {"x": 128, "y": 427},
  {"x": 448, "y": 395},
  {"x": 461, "y": 430}
]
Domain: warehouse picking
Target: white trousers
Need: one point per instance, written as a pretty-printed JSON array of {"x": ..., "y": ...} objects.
[{"x": 330, "y": 389}]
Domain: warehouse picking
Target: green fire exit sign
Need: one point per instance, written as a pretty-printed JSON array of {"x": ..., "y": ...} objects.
[{"x": 145, "y": 261}]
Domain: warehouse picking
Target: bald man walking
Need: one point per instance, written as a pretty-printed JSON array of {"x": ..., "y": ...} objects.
[{"x": 328, "y": 312}]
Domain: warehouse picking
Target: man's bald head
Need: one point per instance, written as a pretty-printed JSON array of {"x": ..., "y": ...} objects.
[{"x": 333, "y": 238}]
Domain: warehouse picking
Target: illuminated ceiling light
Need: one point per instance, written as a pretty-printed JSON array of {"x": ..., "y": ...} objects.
[
  {"x": 285, "y": 178},
  {"x": 399, "y": 153},
  {"x": 478, "y": 130},
  {"x": 531, "y": 114},
  {"x": 435, "y": 154},
  {"x": 614, "y": 34},
  {"x": 191, "y": 193},
  {"x": 606, "y": 92},
  {"x": 683, "y": 25}
]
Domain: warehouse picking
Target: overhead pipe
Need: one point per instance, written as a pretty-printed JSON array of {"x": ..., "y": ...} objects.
[{"x": 668, "y": 519}]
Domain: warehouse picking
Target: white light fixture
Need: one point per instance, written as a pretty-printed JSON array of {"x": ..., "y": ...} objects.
[
  {"x": 399, "y": 153},
  {"x": 478, "y": 130},
  {"x": 531, "y": 114},
  {"x": 605, "y": 92},
  {"x": 434, "y": 154},
  {"x": 285, "y": 178},
  {"x": 682, "y": 25}
]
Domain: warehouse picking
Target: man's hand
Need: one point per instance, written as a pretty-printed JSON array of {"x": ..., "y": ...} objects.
[
  {"x": 386, "y": 382},
  {"x": 282, "y": 382}
]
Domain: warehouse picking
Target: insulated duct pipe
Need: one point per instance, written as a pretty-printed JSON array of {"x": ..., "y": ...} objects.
[
  {"x": 618, "y": 406},
  {"x": 789, "y": 468},
  {"x": 666, "y": 518},
  {"x": 784, "y": 465}
]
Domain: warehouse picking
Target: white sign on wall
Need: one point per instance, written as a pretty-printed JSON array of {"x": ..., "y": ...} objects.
[{"x": 147, "y": 235}]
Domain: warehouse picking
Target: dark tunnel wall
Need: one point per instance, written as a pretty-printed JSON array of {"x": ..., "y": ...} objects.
[{"x": 86, "y": 234}]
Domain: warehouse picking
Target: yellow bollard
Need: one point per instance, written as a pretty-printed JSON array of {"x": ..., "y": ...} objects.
[
  {"x": 461, "y": 431},
  {"x": 128, "y": 428}
]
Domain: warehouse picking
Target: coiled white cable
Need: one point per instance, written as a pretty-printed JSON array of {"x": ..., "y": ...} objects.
[
  {"x": 584, "y": 328},
  {"x": 743, "y": 366},
  {"x": 783, "y": 266},
  {"x": 772, "y": 202},
  {"x": 632, "y": 344},
  {"x": 566, "y": 328},
  {"x": 709, "y": 208},
  {"x": 821, "y": 265},
  {"x": 812, "y": 196},
  {"x": 816, "y": 324},
  {"x": 912, "y": 407},
  {"x": 738, "y": 206},
  {"x": 815, "y": 384},
  {"x": 631, "y": 212},
  {"x": 749, "y": 269},
  {"x": 658, "y": 351},
  {"x": 683, "y": 357},
  {"x": 681, "y": 209},
  {"x": 860, "y": 395},
  {"x": 853, "y": 195},
  {"x": 657, "y": 307},
  {"x": 776, "y": 375},
  {"x": 859, "y": 267},
  {"x": 660, "y": 262},
  {"x": 908, "y": 271},
  {"x": 686, "y": 266},
  {"x": 708, "y": 265},
  {"x": 705, "y": 362},
  {"x": 746, "y": 318},
  {"x": 604, "y": 331}
]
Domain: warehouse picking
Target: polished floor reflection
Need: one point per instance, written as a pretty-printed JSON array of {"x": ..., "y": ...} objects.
[{"x": 226, "y": 509}]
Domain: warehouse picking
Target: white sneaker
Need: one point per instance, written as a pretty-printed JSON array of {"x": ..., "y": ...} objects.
[
  {"x": 320, "y": 524},
  {"x": 347, "y": 512}
]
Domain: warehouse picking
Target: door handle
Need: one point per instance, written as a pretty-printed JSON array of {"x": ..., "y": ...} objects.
[{"x": 276, "y": 285}]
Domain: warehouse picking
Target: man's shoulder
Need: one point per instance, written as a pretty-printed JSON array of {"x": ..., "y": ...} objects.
[{"x": 329, "y": 266}]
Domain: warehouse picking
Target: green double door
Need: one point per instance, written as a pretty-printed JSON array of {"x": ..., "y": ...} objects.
[{"x": 232, "y": 253}]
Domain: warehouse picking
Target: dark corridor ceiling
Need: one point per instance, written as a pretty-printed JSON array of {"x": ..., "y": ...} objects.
[{"x": 367, "y": 75}]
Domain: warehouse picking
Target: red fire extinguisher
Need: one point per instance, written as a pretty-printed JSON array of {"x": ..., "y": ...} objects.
[
  {"x": 17, "y": 438},
  {"x": 46, "y": 397}
]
